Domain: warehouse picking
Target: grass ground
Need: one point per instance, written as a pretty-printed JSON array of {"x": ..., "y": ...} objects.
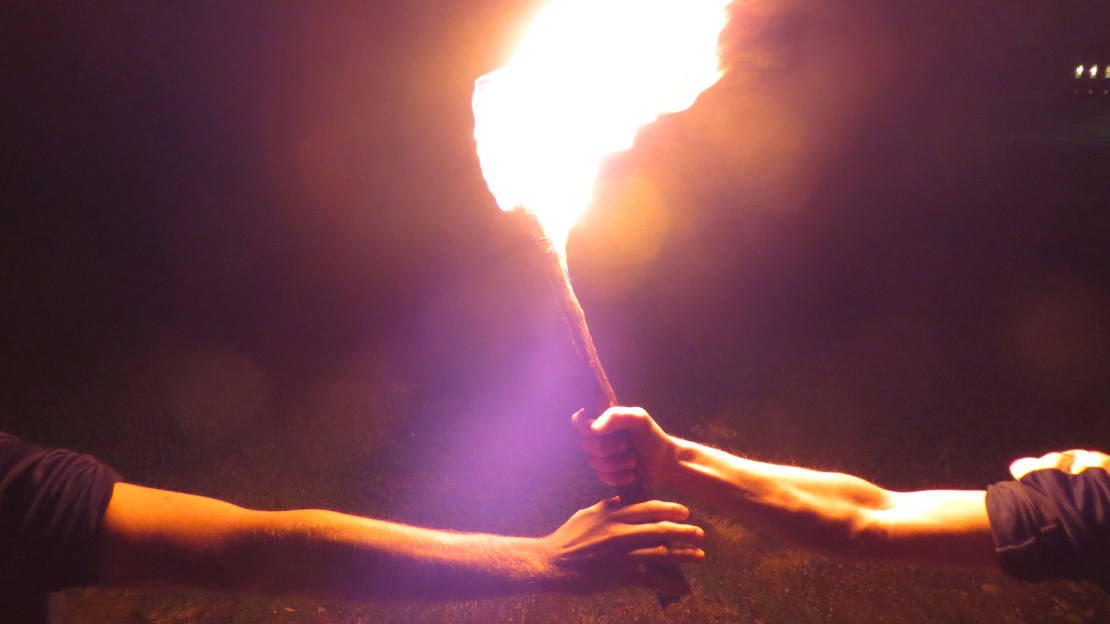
[{"x": 746, "y": 577}]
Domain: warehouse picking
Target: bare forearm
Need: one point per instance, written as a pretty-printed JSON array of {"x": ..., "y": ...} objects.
[
  {"x": 153, "y": 537},
  {"x": 157, "y": 538},
  {"x": 830, "y": 513},
  {"x": 837, "y": 514},
  {"x": 322, "y": 553},
  {"x": 818, "y": 510}
]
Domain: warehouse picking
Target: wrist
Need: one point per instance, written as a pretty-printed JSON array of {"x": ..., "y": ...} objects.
[
  {"x": 544, "y": 574},
  {"x": 675, "y": 449}
]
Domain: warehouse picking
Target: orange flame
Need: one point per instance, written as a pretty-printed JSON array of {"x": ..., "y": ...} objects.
[{"x": 588, "y": 74}]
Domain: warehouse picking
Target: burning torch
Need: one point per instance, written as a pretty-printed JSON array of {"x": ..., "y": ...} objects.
[{"x": 587, "y": 75}]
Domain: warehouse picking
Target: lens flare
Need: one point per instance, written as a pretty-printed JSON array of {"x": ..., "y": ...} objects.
[{"x": 587, "y": 75}]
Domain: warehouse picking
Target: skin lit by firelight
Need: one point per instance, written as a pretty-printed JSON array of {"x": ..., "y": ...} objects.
[{"x": 587, "y": 75}]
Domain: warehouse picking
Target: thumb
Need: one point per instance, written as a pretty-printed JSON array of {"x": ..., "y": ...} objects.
[
  {"x": 621, "y": 418},
  {"x": 581, "y": 423}
]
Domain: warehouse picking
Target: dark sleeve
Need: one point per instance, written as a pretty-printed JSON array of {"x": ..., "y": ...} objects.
[
  {"x": 52, "y": 503},
  {"x": 1053, "y": 525}
]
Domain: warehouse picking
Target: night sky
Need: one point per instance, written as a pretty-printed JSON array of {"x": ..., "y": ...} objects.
[{"x": 879, "y": 244}]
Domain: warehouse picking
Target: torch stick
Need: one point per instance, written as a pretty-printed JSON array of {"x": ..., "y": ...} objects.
[{"x": 604, "y": 397}]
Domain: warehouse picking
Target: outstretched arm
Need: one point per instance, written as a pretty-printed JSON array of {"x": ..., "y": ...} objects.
[
  {"x": 834, "y": 514},
  {"x": 154, "y": 537}
]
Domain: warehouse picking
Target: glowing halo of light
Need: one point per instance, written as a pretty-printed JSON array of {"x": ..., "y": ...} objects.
[{"x": 587, "y": 75}]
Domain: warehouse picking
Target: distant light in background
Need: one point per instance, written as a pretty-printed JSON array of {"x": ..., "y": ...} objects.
[
  {"x": 1079, "y": 71},
  {"x": 1094, "y": 71}
]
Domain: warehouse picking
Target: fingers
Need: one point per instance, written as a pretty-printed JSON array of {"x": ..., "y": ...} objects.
[
  {"x": 636, "y": 536},
  {"x": 1021, "y": 467},
  {"x": 608, "y": 545},
  {"x": 616, "y": 469},
  {"x": 1025, "y": 465},
  {"x": 668, "y": 554},
  {"x": 617, "y": 418},
  {"x": 639, "y": 513},
  {"x": 608, "y": 505},
  {"x": 648, "y": 524},
  {"x": 616, "y": 479},
  {"x": 581, "y": 423},
  {"x": 596, "y": 435},
  {"x": 620, "y": 440},
  {"x": 603, "y": 446},
  {"x": 1089, "y": 459},
  {"x": 617, "y": 462},
  {"x": 1071, "y": 462},
  {"x": 651, "y": 511}
]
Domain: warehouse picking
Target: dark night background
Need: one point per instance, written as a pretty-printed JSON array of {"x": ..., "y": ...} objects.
[{"x": 246, "y": 251}]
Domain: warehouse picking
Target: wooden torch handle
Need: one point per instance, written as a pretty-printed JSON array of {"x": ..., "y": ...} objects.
[{"x": 604, "y": 397}]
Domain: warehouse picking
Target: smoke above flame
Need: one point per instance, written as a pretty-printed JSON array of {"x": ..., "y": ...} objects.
[{"x": 587, "y": 75}]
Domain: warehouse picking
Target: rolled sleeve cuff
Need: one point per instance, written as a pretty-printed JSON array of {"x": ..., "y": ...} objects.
[{"x": 1053, "y": 525}]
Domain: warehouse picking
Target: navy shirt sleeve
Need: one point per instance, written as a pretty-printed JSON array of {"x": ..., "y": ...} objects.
[
  {"x": 1052, "y": 524},
  {"x": 52, "y": 503}
]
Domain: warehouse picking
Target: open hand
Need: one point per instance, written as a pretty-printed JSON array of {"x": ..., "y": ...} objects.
[{"x": 607, "y": 545}]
